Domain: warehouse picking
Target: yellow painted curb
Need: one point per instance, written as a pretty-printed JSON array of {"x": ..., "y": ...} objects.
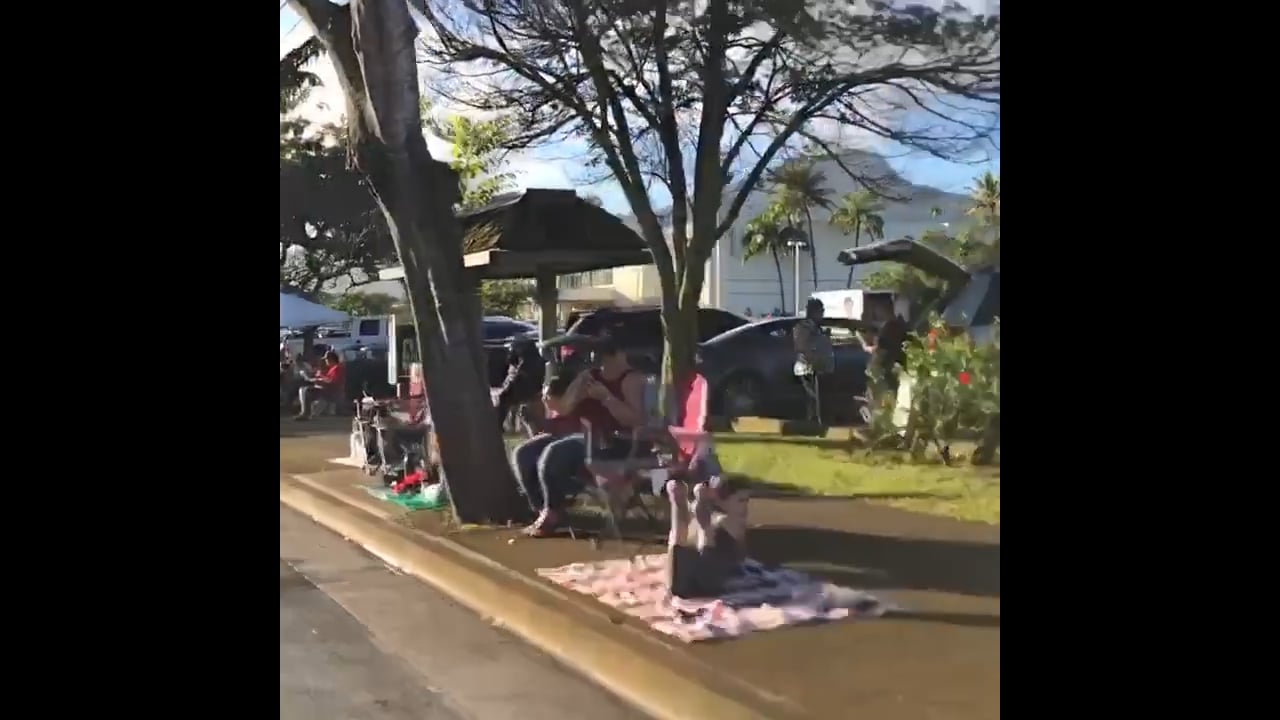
[{"x": 657, "y": 688}]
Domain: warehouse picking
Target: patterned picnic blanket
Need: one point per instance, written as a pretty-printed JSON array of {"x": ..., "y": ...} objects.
[{"x": 759, "y": 598}]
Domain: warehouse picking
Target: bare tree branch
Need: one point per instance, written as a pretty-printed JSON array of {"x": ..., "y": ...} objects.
[{"x": 652, "y": 86}]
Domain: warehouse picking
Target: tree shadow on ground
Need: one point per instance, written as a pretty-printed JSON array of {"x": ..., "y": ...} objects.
[
  {"x": 878, "y": 561},
  {"x": 638, "y": 532}
]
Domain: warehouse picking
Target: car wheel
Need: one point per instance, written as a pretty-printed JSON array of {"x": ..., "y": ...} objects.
[{"x": 742, "y": 396}]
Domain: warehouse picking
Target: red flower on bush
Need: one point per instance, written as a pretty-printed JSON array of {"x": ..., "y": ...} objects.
[
  {"x": 933, "y": 336},
  {"x": 964, "y": 377}
]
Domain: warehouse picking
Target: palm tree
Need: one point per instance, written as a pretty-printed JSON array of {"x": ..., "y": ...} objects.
[
  {"x": 800, "y": 188},
  {"x": 985, "y": 196},
  {"x": 859, "y": 212},
  {"x": 295, "y": 81},
  {"x": 764, "y": 234}
]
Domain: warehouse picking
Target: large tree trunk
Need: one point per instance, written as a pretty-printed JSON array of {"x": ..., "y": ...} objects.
[
  {"x": 679, "y": 346},
  {"x": 684, "y": 339},
  {"x": 680, "y": 325},
  {"x": 371, "y": 45},
  {"x": 678, "y": 331}
]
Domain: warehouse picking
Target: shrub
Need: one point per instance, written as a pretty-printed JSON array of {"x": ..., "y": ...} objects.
[{"x": 955, "y": 393}]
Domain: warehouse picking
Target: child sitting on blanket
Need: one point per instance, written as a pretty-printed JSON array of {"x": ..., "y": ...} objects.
[{"x": 708, "y": 541}]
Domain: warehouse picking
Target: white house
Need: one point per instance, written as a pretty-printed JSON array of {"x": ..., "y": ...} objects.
[{"x": 751, "y": 287}]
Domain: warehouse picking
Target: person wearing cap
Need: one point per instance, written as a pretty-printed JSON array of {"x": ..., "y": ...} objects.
[
  {"x": 814, "y": 354},
  {"x": 549, "y": 466},
  {"x": 525, "y": 372}
]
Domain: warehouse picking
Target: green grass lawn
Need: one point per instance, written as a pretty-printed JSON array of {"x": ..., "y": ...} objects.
[{"x": 792, "y": 465}]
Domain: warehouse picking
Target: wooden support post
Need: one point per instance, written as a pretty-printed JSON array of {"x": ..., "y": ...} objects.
[{"x": 547, "y": 302}]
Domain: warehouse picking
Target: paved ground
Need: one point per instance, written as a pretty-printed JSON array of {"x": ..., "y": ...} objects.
[
  {"x": 331, "y": 668},
  {"x": 305, "y": 446},
  {"x": 940, "y": 660},
  {"x": 359, "y": 641}
]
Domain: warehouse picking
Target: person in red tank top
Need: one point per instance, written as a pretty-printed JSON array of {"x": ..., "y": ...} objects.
[
  {"x": 329, "y": 382},
  {"x": 548, "y": 467}
]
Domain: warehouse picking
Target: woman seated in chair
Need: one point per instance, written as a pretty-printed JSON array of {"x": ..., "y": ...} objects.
[
  {"x": 548, "y": 466},
  {"x": 328, "y": 384}
]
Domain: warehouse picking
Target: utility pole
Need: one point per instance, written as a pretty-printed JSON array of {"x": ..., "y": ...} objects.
[
  {"x": 797, "y": 241},
  {"x": 795, "y": 256}
]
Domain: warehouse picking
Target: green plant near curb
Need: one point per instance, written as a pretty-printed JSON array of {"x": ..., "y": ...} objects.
[{"x": 955, "y": 393}]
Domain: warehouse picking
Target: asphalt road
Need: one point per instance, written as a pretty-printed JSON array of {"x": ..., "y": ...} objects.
[{"x": 360, "y": 641}]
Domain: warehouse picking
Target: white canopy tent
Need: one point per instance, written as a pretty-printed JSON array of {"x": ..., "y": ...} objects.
[{"x": 295, "y": 312}]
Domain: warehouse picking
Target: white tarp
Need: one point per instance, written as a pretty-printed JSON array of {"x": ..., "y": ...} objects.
[{"x": 296, "y": 312}]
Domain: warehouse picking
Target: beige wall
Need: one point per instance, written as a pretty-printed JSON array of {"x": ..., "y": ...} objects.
[{"x": 639, "y": 283}]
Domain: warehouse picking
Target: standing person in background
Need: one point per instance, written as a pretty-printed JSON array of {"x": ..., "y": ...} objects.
[
  {"x": 525, "y": 372},
  {"x": 887, "y": 354},
  {"x": 286, "y": 375},
  {"x": 814, "y": 355}
]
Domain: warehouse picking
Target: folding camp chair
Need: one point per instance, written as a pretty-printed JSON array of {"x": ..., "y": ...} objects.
[
  {"x": 659, "y": 451},
  {"x": 389, "y": 440}
]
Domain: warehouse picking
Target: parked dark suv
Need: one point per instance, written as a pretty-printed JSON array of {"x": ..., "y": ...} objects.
[
  {"x": 499, "y": 333},
  {"x": 638, "y": 330},
  {"x": 971, "y": 298}
]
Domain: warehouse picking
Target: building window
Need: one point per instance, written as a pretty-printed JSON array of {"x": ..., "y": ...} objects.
[{"x": 594, "y": 278}]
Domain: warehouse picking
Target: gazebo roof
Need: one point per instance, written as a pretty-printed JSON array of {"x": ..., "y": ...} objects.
[{"x": 554, "y": 230}]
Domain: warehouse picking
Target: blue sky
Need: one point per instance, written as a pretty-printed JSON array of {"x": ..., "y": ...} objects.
[{"x": 553, "y": 166}]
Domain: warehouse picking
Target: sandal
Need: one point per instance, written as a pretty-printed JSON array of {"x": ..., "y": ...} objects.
[{"x": 546, "y": 525}]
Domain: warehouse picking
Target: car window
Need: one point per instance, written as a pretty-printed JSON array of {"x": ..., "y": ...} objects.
[
  {"x": 989, "y": 310},
  {"x": 713, "y": 321},
  {"x": 648, "y": 327},
  {"x": 500, "y": 329},
  {"x": 780, "y": 331},
  {"x": 841, "y": 333},
  {"x": 634, "y": 327},
  {"x": 588, "y": 324}
]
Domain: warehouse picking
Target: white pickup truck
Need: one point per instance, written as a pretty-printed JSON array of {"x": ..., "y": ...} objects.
[{"x": 362, "y": 332}]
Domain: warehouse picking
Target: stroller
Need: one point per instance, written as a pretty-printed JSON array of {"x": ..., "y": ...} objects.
[{"x": 389, "y": 447}]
